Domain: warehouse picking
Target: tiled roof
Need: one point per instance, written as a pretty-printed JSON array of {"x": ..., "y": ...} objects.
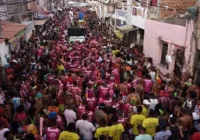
[{"x": 10, "y": 29}]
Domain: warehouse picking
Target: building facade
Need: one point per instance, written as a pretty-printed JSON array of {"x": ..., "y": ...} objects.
[{"x": 162, "y": 34}]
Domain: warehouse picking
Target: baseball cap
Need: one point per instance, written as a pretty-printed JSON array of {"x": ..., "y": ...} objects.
[
  {"x": 39, "y": 95},
  {"x": 146, "y": 102},
  {"x": 102, "y": 106},
  {"x": 52, "y": 115}
]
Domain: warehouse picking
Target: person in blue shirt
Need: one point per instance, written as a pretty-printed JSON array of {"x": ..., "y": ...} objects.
[{"x": 80, "y": 15}]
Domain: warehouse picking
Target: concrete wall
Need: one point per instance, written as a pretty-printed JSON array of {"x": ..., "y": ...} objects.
[{"x": 176, "y": 36}]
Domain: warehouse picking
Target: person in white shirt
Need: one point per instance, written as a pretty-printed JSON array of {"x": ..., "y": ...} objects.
[
  {"x": 153, "y": 101},
  {"x": 71, "y": 16},
  {"x": 70, "y": 115},
  {"x": 3, "y": 130},
  {"x": 85, "y": 128}
]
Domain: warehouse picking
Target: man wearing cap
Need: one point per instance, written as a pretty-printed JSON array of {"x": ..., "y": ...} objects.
[
  {"x": 145, "y": 107},
  {"x": 52, "y": 132},
  {"x": 39, "y": 104}
]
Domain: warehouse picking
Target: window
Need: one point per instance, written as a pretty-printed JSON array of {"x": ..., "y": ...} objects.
[
  {"x": 113, "y": 22},
  {"x": 124, "y": 22},
  {"x": 118, "y": 22},
  {"x": 164, "y": 53}
]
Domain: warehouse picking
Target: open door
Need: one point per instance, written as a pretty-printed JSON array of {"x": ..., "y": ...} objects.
[{"x": 179, "y": 62}]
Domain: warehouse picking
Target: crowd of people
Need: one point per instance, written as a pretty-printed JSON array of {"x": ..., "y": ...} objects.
[{"x": 97, "y": 89}]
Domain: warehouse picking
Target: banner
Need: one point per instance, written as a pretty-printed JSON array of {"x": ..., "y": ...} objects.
[
  {"x": 76, "y": 38},
  {"x": 138, "y": 11},
  {"x": 120, "y": 13}
]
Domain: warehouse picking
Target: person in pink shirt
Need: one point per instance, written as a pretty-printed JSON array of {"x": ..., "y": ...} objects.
[
  {"x": 75, "y": 89},
  {"x": 91, "y": 100},
  {"x": 63, "y": 77},
  {"x": 50, "y": 78},
  {"x": 24, "y": 90},
  {"x": 88, "y": 72},
  {"x": 128, "y": 109},
  {"x": 89, "y": 113},
  {"x": 116, "y": 74},
  {"x": 148, "y": 84},
  {"x": 81, "y": 109},
  {"x": 108, "y": 100},
  {"x": 60, "y": 96},
  {"x": 69, "y": 86},
  {"x": 60, "y": 84},
  {"x": 103, "y": 90},
  {"x": 40, "y": 52},
  {"x": 52, "y": 132}
]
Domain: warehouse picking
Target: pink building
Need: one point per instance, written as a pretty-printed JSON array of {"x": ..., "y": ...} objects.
[{"x": 170, "y": 46}]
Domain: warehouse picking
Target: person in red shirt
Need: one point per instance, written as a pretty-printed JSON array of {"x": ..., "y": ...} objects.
[
  {"x": 195, "y": 136},
  {"x": 116, "y": 74},
  {"x": 2, "y": 119},
  {"x": 69, "y": 78}
]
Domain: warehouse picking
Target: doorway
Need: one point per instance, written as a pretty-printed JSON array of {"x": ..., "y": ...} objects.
[{"x": 179, "y": 62}]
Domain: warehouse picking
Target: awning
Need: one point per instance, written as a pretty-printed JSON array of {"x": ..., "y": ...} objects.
[
  {"x": 39, "y": 22},
  {"x": 125, "y": 28},
  {"x": 91, "y": 9},
  {"x": 118, "y": 34}
]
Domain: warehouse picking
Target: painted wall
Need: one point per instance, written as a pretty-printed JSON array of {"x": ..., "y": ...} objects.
[
  {"x": 29, "y": 28},
  {"x": 3, "y": 52},
  {"x": 175, "y": 35}
]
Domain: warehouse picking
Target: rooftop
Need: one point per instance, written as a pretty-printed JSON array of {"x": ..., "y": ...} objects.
[
  {"x": 176, "y": 21},
  {"x": 10, "y": 29}
]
